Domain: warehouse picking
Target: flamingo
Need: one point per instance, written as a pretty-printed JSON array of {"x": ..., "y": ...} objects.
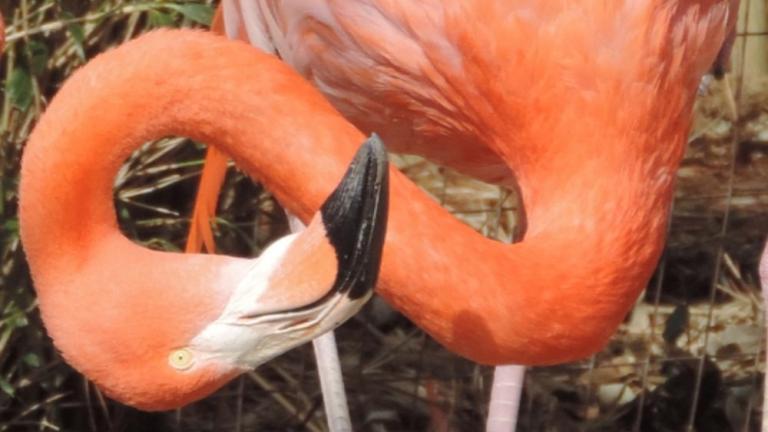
[
  {"x": 460, "y": 84},
  {"x": 158, "y": 330},
  {"x": 575, "y": 127}
]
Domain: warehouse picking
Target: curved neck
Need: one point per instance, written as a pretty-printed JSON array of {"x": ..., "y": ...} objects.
[
  {"x": 106, "y": 111},
  {"x": 488, "y": 301}
]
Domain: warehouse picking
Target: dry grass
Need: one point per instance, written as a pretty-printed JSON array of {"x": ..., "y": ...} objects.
[{"x": 703, "y": 299}]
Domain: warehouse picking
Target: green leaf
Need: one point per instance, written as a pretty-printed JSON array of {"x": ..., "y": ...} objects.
[
  {"x": 160, "y": 19},
  {"x": 124, "y": 214},
  {"x": 7, "y": 387},
  {"x": 19, "y": 88},
  {"x": 37, "y": 56},
  {"x": 77, "y": 33},
  {"x": 31, "y": 359},
  {"x": 199, "y": 13},
  {"x": 9, "y": 309},
  {"x": 18, "y": 320},
  {"x": 11, "y": 226}
]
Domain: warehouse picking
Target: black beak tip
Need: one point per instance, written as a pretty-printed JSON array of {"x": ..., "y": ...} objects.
[{"x": 355, "y": 219}]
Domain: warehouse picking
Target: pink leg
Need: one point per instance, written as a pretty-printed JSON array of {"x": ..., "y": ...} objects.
[
  {"x": 505, "y": 398},
  {"x": 764, "y": 283},
  {"x": 332, "y": 383}
]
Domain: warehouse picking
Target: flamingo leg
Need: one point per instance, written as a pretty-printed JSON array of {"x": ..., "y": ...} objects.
[
  {"x": 329, "y": 370},
  {"x": 332, "y": 383},
  {"x": 764, "y": 282},
  {"x": 505, "y": 398},
  {"x": 211, "y": 180}
]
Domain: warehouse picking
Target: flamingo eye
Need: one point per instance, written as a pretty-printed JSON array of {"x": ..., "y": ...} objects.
[{"x": 181, "y": 359}]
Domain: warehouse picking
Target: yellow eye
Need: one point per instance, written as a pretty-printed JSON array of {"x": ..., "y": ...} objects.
[{"x": 181, "y": 359}]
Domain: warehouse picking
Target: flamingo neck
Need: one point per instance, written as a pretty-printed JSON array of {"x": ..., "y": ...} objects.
[
  {"x": 106, "y": 112},
  {"x": 102, "y": 295}
]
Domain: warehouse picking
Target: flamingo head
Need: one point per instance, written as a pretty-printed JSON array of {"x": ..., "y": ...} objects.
[
  {"x": 156, "y": 348},
  {"x": 289, "y": 283}
]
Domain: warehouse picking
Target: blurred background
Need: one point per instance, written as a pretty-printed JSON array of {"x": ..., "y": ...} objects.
[{"x": 689, "y": 356}]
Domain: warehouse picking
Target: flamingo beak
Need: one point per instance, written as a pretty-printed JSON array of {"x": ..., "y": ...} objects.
[
  {"x": 355, "y": 219},
  {"x": 308, "y": 283}
]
